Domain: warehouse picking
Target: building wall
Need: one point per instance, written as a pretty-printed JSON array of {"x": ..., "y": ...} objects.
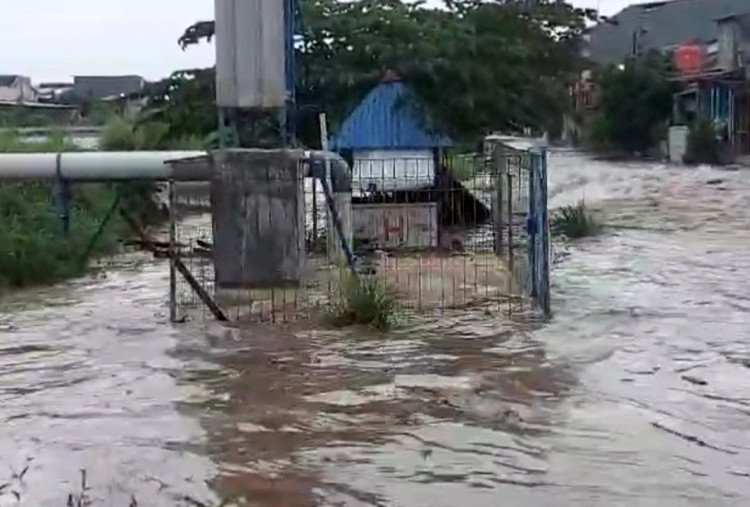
[
  {"x": 20, "y": 91},
  {"x": 729, "y": 38},
  {"x": 678, "y": 135},
  {"x": 10, "y": 94},
  {"x": 665, "y": 24},
  {"x": 402, "y": 225},
  {"x": 99, "y": 87},
  {"x": 392, "y": 169},
  {"x": 734, "y": 41},
  {"x": 412, "y": 225}
]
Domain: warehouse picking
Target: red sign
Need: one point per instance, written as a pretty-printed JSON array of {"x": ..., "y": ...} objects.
[{"x": 689, "y": 58}]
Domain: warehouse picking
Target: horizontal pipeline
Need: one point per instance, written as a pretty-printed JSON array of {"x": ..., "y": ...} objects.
[
  {"x": 91, "y": 166},
  {"x": 97, "y": 166}
]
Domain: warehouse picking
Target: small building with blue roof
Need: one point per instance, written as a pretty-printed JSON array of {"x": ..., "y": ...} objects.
[
  {"x": 383, "y": 120},
  {"x": 402, "y": 196},
  {"x": 386, "y": 142}
]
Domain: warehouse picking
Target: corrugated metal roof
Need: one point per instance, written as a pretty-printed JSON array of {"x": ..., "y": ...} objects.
[
  {"x": 666, "y": 24},
  {"x": 382, "y": 121},
  {"x": 8, "y": 80},
  {"x": 517, "y": 143},
  {"x": 97, "y": 87}
]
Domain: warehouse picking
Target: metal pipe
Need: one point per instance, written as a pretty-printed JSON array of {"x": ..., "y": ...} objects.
[
  {"x": 96, "y": 166},
  {"x": 143, "y": 165},
  {"x": 173, "y": 252},
  {"x": 340, "y": 172}
]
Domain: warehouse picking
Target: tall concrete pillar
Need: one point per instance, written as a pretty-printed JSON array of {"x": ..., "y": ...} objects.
[{"x": 257, "y": 198}]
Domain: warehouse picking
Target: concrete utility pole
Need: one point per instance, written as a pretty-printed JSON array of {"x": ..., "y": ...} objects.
[{"x": 638, "y": 35}]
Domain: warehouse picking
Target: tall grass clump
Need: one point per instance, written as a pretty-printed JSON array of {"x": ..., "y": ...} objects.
[
  {"x": 703, "y": 145},
  {"x": 33, "y": 247},
  {"x": 363, "y": 301},
  {"x": 574, "y": 222}
]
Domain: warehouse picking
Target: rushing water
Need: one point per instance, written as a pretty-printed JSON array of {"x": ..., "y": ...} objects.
[{"x": 637, "y": 393}]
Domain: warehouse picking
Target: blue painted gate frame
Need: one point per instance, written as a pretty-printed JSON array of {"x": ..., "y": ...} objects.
[{"x": 537, "y": 227}]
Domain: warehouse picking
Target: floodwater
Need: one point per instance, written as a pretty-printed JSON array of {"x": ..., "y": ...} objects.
[{"x": 637, "y": 393}]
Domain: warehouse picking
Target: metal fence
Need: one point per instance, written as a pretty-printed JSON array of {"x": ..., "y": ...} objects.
[
  {"x": 539, "y": 242},
  {"x": 443, "y": 232},
  {"x": 522, "y": 219}
]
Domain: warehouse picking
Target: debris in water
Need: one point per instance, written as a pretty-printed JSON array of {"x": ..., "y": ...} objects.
[
  {"x": 511, "y": 416},
  {"x": 691, "y": 438},
  {"x": 644, "y": 371},
  {"x": 694, "y": 380},
  {"x": 688, "y": 368},
  {"x": 425, "y": 453}
]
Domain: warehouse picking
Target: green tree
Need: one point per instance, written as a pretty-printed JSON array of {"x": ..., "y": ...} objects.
[
  {"x": 635, "y": 102},
  {"x": 184, "y": 102},
  {"x": 473, "y": 66}
]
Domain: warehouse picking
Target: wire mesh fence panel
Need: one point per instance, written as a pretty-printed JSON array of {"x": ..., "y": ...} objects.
[
  {"x": 255, "y": 252},
  {"x": 442, "y": 232},
  {"x": 423, "y": 223},
  {"x": 255, "y": 240},
  {"x": 192, "y": 244}
]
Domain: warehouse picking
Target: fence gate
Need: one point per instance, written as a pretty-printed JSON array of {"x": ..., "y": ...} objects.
[{"x": 522, "y": 232}]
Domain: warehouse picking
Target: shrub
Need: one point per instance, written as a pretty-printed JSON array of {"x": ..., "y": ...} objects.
[
  {"x": 599, "y": 134},
  {"x": 574, "y": 222},
  {"x": 33, "y": 247},
  {"x": 703, "y": 147},
  {"x": 118, "y": 135},
  {"x": 363, "y": 301}
]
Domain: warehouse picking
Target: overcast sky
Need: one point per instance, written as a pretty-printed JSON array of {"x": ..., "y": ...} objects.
[{"x": 55, "y": 39}]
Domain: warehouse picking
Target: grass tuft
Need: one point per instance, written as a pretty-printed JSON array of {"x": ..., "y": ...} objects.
[
  {"x": 363, "y": 301},
  {"x": 575, "y": 222}
]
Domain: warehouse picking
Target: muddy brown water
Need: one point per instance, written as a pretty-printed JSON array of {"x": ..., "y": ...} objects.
[{"x": 637, "y": 393}]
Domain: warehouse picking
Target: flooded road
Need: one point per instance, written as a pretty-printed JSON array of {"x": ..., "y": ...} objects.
[{"x": 636, "y": 394}]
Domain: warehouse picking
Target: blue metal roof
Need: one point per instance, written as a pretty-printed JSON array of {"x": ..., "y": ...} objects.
[{"x": 380, "y": 122}]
